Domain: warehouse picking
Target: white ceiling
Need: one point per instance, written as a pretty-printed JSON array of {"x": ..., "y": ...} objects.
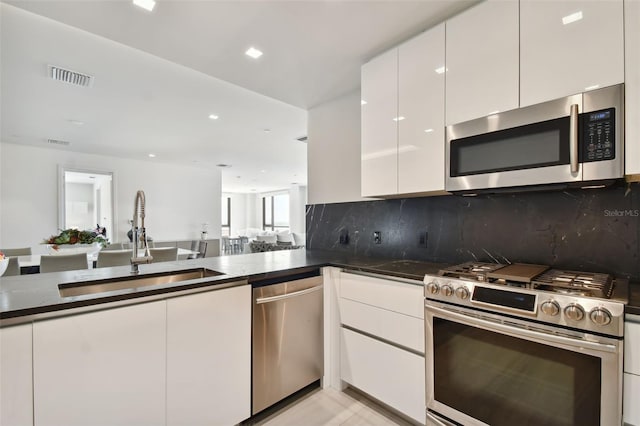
[{"x": 146, "y": 102}]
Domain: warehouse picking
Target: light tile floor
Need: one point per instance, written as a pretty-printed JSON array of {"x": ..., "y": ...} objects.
[{"x": 329, "y": 407}]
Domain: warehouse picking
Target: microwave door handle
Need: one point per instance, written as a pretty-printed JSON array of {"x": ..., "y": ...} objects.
[{"x": 573, "y": 138}]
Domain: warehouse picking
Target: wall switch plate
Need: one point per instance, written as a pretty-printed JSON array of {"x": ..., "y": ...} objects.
[
  {"x": 423, "y": 237},
  {"x": 377, "y": 237}
]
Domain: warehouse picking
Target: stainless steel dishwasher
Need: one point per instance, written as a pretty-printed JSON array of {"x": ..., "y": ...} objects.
[{"x": 287, "y": 352}]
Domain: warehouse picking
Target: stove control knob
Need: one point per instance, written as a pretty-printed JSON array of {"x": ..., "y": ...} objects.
[
  {"x": 574, "y": 312},
  {"x": 550, "y": 308},
  {"x": 447, "y": 290},
  {"x": 462, "y": 293},
  {"x": 600, "y": 316},
  {"x": 433, "y": 287}
]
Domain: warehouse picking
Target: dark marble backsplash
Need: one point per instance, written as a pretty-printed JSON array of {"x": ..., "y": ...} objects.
[{"x": 594, "y": 230}]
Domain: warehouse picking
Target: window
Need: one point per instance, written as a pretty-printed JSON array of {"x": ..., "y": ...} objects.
[
  {"x": 275, "y": 212},
  {"x": 225, "y": 216}
]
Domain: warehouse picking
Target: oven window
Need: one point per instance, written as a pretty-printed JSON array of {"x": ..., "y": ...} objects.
[
  {"x": 534, "y": 145},
  {"x": 502, "y": 380}
]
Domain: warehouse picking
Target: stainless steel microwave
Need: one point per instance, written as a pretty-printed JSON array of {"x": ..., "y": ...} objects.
[{"x": 572, "y": 141}]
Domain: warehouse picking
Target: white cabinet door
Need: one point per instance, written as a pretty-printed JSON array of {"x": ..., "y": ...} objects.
[
  {"x": 569, "y": 46},
  {"x": 630, "y": 406},
  {"x": 632, "y": 344},
  {"x": 101, "y": 368},
  {"x": 379, "y": 138},
  {"x": 16, "y": 385},
  {"x": 421, "y": 103},
  {"x": 632, "y": 86},
  {"x": 209, "y": 358},
  {"x": 482, "y": 61},
  {"x": 389, "y": 374}
]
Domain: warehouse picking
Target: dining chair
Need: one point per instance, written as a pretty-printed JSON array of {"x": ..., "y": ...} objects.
[
  {"x": 226, "y": 244},
  {"x": 164, "y": 254},
  {"x": 22, "y": 251},
  {"x": 64, "y": 262},
  {"x": 113, "y": 258},
  {"x": 13, "y": 268},
  {"x": 199, "y": 246}
]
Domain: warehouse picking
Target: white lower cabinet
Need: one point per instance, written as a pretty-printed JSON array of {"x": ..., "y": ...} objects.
[
  {"x": 101, "y": 368},
  {"x": 209, "y": 358},
  {"x": 389, "y": 374},
  {"x": 16, "y": 380},
  {"x": 381, "y": 335},
  {"x": 630, "y": 406}
]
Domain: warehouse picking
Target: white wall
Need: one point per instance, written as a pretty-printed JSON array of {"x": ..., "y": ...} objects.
[
  {"x": 179, "y": 198},
  {"x": 333, "y": 151},
  {"x": 297, "y": 204}
]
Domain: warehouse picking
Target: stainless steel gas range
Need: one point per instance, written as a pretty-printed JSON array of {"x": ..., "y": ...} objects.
[{"x": 523, "y": 344}]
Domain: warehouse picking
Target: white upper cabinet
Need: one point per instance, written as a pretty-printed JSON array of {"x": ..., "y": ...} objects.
[
  {"x": 421, "y": 103},
  {"x": 567, "y": 47},
  {"x": 482, "y": 61},
  {"x": 632, "y": 86},
  {"x": 379, "y": 138}
]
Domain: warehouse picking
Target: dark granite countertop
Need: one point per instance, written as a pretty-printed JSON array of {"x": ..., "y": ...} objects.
[
  {"x": 29, "y": 295},
  {"x": 36, "y": 294},
  {"x": 633, "y": 307}
]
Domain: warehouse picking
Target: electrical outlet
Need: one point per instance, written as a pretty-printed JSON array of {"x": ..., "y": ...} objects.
[
  {"x": 344, "y": 237},
  {"x": 423, "y": 237},
  {"x": 377, "y": 237}
]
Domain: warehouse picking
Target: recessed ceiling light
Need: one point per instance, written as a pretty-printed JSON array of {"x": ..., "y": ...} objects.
[
  {"x": 152, "y": 155},
  {"x": 441, "y": 70},
  {"x": 213, "y": 116},
  {"x": 267, "y": 130},
  {"x": 572, "y": 18},
  {"x": 263, "y": 171},
  {"x": 398, "y": 118},
  {"x": 253, "y": 52},
  {"x": 363, "y": 102},
  {"x": 145, "y": 4},
  {"x": 428, "y": 131},
  {"x": 76, "y": 122}
]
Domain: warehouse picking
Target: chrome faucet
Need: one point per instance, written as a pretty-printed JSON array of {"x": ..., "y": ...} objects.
[{"x": 139, "y": 235}]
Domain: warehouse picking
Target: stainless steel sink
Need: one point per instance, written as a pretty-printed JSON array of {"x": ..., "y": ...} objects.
[{"x": 122, "y": 283}]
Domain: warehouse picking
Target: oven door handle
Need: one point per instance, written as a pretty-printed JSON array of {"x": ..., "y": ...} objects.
[{"x": 519, "y": 331}]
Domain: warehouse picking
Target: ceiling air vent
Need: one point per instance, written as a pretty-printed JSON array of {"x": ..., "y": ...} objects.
[
  {"x": 302, "y": 139},
  {"x": 58, "y": 142},
  {"x": 72, "y": 77}
]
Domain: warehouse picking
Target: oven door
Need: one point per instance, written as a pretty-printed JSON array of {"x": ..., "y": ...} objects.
[{"x": 487, "y": 369}]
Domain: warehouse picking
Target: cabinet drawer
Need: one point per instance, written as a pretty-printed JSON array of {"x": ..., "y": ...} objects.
[
  {"x": 389, "y": 374},
  {"x": 632, "y": 344},
  {"x": 398, "y": 328},
  {"x": 392, "y": 295},
  {"x": 630, "y": 408}
]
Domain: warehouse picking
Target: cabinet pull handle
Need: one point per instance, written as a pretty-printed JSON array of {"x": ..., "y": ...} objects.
[
  {"x": 573, "y": 138},
  {"x": 287, "y": 296}
]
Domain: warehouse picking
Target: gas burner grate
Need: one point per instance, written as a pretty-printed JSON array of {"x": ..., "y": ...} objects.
[
  {"x": 472, "y": 270},
  {"x": 584, "y": 283}
]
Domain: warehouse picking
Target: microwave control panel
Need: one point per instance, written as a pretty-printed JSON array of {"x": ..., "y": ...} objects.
[{"x": 598, "y": 135}]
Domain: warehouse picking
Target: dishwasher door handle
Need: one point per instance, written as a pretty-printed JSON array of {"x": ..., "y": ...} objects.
[{"x": 288, "y": 295}]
